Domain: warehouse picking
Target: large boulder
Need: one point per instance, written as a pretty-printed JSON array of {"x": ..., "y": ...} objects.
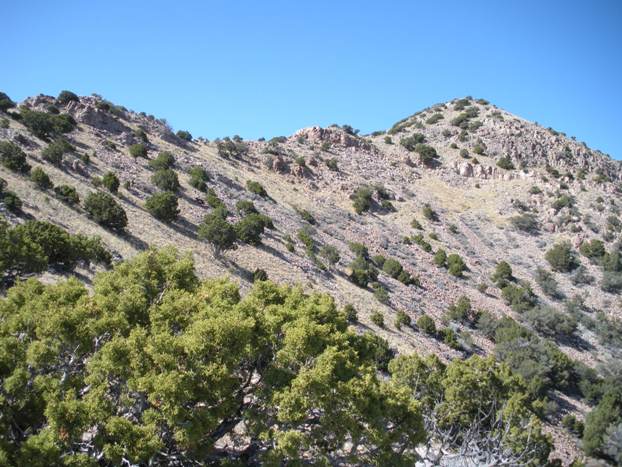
[{"x": 466, "y": 169}]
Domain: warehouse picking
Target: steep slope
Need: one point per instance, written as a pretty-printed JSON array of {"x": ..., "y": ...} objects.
[{"x": 480, "y": 183}]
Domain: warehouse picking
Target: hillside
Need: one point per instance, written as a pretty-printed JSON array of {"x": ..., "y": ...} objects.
[{"x": 463, "y": 177}]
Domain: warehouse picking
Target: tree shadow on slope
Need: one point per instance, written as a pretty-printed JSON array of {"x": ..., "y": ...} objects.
[
  {"x": 577, "y": 342},
  {"x": 133, "y": 240},
  {"x": 184, "y": 227},
  {"x": 238, "y": 270},
  {"x": 273, "y": 251}
]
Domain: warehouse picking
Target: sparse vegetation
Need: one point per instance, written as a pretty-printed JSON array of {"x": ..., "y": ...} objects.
[
  {"x": 232, "y": 148},
  {"x": 5, "y": 102},
  {"x": 45, "y": 125},
  {"x": 65, "y": 97},
  {"x": 219, "y": 233},
  {"x": 461, "y": 311},
  {"x": 163, "y": 206},
  {"x": 36, "y": 245},
  {"x": 437, "y": 117},
  {"x": 593, "y": 249},
  {"x": 138, "y": 150},
  {"x": 40, "y": 178},
  {"x": 527, "y": 223},
  {"x": 164, "y": 160},
  {"x": 166, "y": 180},
  {"x": 411, "y": 142},
  {"x": 198, "y": 178},
  {"x": 402, "y": 319},
  {"x": 250, "y": 228},
  {"x": 256, "y": 188},
  {"x": 111, "y": 182},
  {"x": 427, "y": 154},
  {"x": 104, "y": 210},
  {"x": 289, "y": 346},
  {"x": 426, "y": 325},
  {"x": 11, "y": 201},
  {"x": 67, "y": 194},
  {"x": 429, "y": 213},
  {"x": 505, "y": 163},
  {"x": 548, "y": 284},
  {"x": 54, "y": 152},
  {"x": 13, "y": 158},
  {"x": 456, "y": 265},
  {"x": 440, "y": 258},
  {"x": 520, "y": 297},
  {"x": 562, "y": 257},
  {"x": 362, "y": 199},
  {"x": 377, "y": 318},
  {"x": 185, "y": 135},
  {"x": 330, "y": 254}
]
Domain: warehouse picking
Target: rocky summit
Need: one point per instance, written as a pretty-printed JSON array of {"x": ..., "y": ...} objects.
[{"x": 463, "y": 236}]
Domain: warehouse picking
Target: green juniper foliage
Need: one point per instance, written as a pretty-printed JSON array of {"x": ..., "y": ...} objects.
[{"x": 155, "y": 363}]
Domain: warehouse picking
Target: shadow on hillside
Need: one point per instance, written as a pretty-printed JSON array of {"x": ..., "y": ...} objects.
[
  {"x": 273, "y": 251},
  {"x": 576, "y": 342},
  {"x": 24, "y": 215},
  {"x": 135, "y": 241},
  {"x": 184, "y": 227},
  {"x": 230, "y": 183},
  {"x": 239, "y": 271},
  {"x": 131, "y": 202},
  {"x": 82, "y": 277},
  {"x": 194, "y": 200},
  {"x": 80, "y": 144},
  {"x": 564, "y": 405}
]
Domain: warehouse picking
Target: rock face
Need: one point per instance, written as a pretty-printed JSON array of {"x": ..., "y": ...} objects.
[
  {"x": 99, "y": 119},
  {"x": 333, "y": 136},
  {"x": 465, "y": 169},
  {"x": 534, "y": 146}
]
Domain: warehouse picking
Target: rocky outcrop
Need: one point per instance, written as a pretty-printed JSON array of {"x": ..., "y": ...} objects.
[
  {"x": 100, "y": 119},
  {"x": 467, "y": 169},
  {"x": 333, "y": 136},
  {"x": 530, "y": 145}
]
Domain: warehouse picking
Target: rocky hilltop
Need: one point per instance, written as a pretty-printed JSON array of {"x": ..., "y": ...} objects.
[{"x": 458, "y": 212}]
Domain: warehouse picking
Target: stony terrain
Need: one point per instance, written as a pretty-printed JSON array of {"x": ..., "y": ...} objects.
[{"x": 316, "y": 171}]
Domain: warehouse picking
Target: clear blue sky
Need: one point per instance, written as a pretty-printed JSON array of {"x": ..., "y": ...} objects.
[{"x": 267, "y": 68}]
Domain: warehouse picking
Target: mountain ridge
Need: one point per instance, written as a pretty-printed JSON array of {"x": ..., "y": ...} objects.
[{"x": 457, "y": 177}]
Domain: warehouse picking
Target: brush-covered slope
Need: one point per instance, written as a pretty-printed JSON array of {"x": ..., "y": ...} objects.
[{"x": 438, "y": 201}]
